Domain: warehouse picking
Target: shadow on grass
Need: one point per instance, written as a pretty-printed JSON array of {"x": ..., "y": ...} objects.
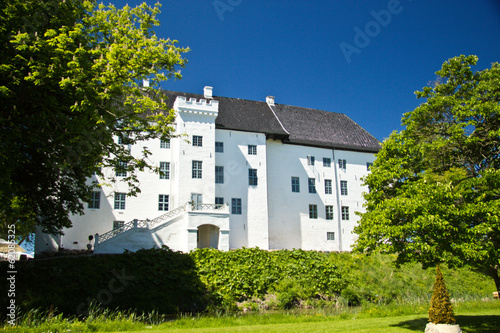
[{"x": 469, "y": 324}]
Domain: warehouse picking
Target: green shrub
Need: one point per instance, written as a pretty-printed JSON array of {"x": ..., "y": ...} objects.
[{"x": 441, "y": 310}]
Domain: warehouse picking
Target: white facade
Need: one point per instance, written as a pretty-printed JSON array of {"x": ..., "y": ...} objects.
[{"x": 247, "y": 173}]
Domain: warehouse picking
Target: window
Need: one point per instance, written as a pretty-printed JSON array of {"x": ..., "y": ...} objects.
[
  {"x": 345, "y": 213},
  {"x": 236, "y": 206},
  {"x": 252, "y": 150},
  {"x": 165, "y": 143},
  {"x": 219, "y": 201},
  {"x": 197, "y": 168},
  {"x": 328, "y": 186},
  {"x": 312, "y": 185},
  {"x": 342, "y": 164},
  {"x": 330, "y": 236},
  {"x": 368, "y": 165},
  {"x": 120, "y": 200},
  {"x": 95, "y": 200},
  {"x": 118, "y": 224},
  {"x": 310, "y": 160},
  {"x": 197, "y": 141},
  {"x": 219, "y": 175},
  {"x": 124, "y": 140},
  {"x": 329, "y": 212},
  {"x": 219, "y": 147},
  {"x": 313, "y": 211},
  {"x": 164, "y": 170},
  {"x": 252, "y": 177},
  {"x": 163, "y": 202},
  {"x": 295, "y": 185},
  {"x": 121, "y": 170},
  {"x": 343, "y": 187},
  {"x": 327, "y": 162}
]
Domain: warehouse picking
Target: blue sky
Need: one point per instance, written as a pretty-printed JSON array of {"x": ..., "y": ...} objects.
[{"x": 293, "y": 50}]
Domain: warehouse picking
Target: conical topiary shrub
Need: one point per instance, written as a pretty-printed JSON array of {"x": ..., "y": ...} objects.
[{"x": 441, "y": 311}]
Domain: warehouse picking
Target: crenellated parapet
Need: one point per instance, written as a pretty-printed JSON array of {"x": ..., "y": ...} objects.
[{"x": 193, "y": 105}]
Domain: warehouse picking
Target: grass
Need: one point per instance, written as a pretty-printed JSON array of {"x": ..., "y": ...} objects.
[{"x": 473, "y": 317}]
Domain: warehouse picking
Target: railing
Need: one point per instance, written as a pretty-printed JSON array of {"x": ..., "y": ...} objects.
[
  {"x": 208, "y": 207},
  {"x": 167, "y": 216},
  {"x": 149, "y": 224}
]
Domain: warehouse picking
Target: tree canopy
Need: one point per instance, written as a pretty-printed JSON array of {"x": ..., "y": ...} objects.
[
  {"x": 71, "y": 78},
  {"x": 435, "y": 186}
]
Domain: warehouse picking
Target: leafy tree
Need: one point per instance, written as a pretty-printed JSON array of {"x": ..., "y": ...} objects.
[
  {"x": 441, "y": 310},
  {"x": 435, "y": 186},
  {"x": 70, "y": 84}
]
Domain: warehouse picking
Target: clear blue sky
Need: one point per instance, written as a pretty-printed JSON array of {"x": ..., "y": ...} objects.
[{"x": 292, "y": 50}]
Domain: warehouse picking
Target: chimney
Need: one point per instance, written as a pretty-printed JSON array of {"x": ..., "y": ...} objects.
[
  {"x": 270, "y": 100},
  {"x": 207, "y": 91}
]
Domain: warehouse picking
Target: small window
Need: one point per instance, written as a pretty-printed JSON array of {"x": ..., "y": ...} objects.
[
  {"x": 118, "y": 224},
  {"x": 330, "y": 236},
  {"x": 163, "y": 202},
  {"x": 164, "y": 170},
  {"x": 310, "y": 160},
  {"x": 312, "y": 185},
  {"x": 219, "y": 202},
  {"x": 219, "y": 147},
  {"x": 342, "y": 164},
  {"x": 120, "y": 200},
  {"x": 252, "y": 150},
  {"x": 197, "y": 169},
  {"x": 345, "y": 213},
  {"x": 295, "y": 185},
  {"x": 313, "y": 211},
  {"x": 121, "y": 170},
  {"x": 368, "y": 166},
  {"x": 252, "y": 177},
  {"x": 219, "y": 175},
  {"x": 95, "y": 200},
  {"x": 327, "y": 162},
  {"x": 197, "y": 141},
  {"x": 236, "y": 206},
  {"x": 165, "y": 143},
  {"x": 328, "y": 186},
  {"x": 343, "y": 187},
  {"x": 329, "y": 212}
]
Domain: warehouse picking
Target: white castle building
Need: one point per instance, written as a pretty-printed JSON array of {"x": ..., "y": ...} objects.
[{"x": 243, "y": 174}]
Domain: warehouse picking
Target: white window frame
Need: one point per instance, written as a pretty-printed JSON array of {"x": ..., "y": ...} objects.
[
  {"x": 311, "y": 183},
  {"x": 313, "y": 211},
  {"x": 197, "y": 141},
  {"x": 197, "y": 169},
  {"x": 252, "y": 177},
  {"x": 327, "y": 162},
  {"x": 120, "y": 200},
  {"x": 219, "y": 174},
  {"x": 95, "y": 200},
  {"x": 311, "y": 160},
  {"x": 252, "y": 150},
  {"x": 163, "y": 200},
  {"x": 330, "y": 236},
  {"x": 236, "y": 206},
  {"x": 219, "y": 146},
  {"x": 345, "y": 213},
  {"x": 328, "y": 186},
  {"x": 343, "y": 187},
  {"x": 295, "y": 184},
  {"x": 164, "y": 170},
  {"x": 164, "y": 143},
  {"x": 329, "y": 212}
]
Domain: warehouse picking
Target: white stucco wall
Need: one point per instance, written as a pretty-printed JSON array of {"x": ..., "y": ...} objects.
[
  {"x": 289, "y": 223},
  {"x": 250, "y": 228}
]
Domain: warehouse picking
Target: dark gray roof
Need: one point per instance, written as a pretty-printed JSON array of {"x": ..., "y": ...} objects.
[{"x": 291, "y": 124}]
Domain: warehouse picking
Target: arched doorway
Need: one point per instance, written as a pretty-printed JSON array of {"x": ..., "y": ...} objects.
[{"x": 208, "y": 236}]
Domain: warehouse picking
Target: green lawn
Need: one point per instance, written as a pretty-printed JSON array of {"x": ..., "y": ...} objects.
[{"x": 471, "y": 320}]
